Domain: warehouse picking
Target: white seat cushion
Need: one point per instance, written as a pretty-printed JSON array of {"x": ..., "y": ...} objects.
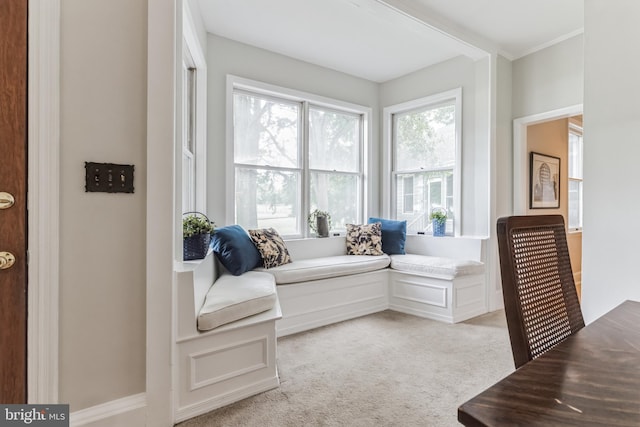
[
  {"x": 233, "y": 298},
  {"x": 326, "y": 267},
  {"x": 444, "y": 268}
]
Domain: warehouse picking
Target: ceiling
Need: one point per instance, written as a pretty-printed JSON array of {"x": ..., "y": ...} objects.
[{"x": 382, "y": 40}]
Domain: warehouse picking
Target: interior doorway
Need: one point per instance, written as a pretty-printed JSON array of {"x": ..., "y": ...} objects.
[{"x": 557, "y": 134}]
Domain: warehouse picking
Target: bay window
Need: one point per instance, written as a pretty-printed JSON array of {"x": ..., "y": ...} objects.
[{"x": 293, "y": 153}]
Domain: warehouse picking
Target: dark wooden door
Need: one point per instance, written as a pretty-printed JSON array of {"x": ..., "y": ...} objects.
[{"x": 13, "y": 180}]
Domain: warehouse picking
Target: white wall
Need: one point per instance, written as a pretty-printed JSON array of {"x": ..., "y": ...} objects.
[
  {"x": 225, "y": 57},
  {"x": 611, "y": 152},
  {"x": 102, "y": 236},
  {"x": 504, "y": 139},
  {"x": 473, "y": 77},
  {"x": 549, "y": 79}
]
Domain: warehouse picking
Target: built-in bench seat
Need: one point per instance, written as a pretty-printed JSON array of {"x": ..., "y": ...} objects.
[
  {"x": 227, "y": 328},
  {"x": 232, "y": 298},
  {"x": 446, "y": 289},
  {"x": 234, "y": 359},
  {"x": 437, "y": 267},
  {"x": 326, "y": 267}
]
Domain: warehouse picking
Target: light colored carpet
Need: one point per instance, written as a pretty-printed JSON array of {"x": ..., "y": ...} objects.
[{"x": 385, "y": 369}]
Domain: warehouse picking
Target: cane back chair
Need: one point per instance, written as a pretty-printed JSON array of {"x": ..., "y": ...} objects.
[{"x": 540, "y": 298}]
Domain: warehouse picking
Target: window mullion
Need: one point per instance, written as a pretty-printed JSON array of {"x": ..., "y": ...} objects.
[
  {"x": 306, "y": 179},
  {"x": 363, "y": 155}
]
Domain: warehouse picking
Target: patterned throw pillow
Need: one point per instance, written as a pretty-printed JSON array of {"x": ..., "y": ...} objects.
[
  {"x": 271, "y": 247},
  {"x": 364, "y": 239}
]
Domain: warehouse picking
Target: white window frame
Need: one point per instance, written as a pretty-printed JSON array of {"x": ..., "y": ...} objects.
[
  {"x": 576, "y": 129},
  {"x": 307, "y": 99},
  {"x": 193, "y": 56},
  {"x": 389, "y": 195}
]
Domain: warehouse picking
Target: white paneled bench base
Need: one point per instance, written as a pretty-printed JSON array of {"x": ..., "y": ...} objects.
[
  {"x": 311, "y": 304},
  {"x": 319, "y": 291},
  {"x": 237, "y": 357},
  {"x": 446, "y": 289}
]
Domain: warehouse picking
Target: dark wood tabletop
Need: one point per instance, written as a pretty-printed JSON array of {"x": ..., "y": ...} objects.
[{"x": 590, "y": 379}]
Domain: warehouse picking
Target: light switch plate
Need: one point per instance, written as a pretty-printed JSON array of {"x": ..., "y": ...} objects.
[{"x": 108, "y": 178}]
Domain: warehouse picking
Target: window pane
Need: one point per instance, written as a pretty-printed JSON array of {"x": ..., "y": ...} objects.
[
  {"x": 337, "y": 194},
  {"x": 334, "y": 140},
  {"x": 425, "y": 139},
  {"x": 188, "y": 184},
  {"x": 575, "y": 204},
  {"x": 427, "y": 194},
  {"x": 407, "y": 189},
  {"x": 449, "y": 201},
  {"x": 265, "y": 132},
  {"x": 575, "y": 155},
  {"x": 266, "y": 198},
  {"x": 190, "y": 122}
]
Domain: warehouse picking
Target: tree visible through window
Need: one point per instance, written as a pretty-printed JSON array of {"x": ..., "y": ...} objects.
[
  {"x": 424, "y": 144},
  {"x": 283, "y": 172}
]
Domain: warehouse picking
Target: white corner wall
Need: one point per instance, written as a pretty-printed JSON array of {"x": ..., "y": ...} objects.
[
  {"x": 549, "y": 79},
  {"x": 611, "y": 152},
  {"x": 102, "y": 236}
]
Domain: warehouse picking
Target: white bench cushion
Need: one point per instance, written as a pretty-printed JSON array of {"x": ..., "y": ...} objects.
[
  {"x": 444, "y": 268},
  {"x": 326, "y": 267},
  {"x": 232, "y": 298}
]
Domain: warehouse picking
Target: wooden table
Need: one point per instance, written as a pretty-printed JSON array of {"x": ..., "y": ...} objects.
[{"x": 590, "y": 379}]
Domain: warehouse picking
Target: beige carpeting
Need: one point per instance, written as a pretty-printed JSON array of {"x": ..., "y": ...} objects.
[{"x": 385, "y": 369}]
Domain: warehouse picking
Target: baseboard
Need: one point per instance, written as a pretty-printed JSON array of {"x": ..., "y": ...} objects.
[
  {"x": 421, "y": 313},
  {"x": 216, "y": 402},
  {"x": 127, "y": 411}
]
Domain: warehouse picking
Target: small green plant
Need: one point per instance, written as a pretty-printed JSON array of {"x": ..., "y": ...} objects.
[
  {"x": 438, "y": 215},
  {"x": 313, "y": 219},
  {"x": 193, "y": 225}
]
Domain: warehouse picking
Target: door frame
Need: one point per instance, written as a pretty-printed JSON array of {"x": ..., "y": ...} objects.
[
  {"x": 520, "y": 157},
  {"x": 43, "y": 177}
]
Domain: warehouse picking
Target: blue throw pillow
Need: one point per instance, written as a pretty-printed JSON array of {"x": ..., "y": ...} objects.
[
  {"x": 394, "y": 234},
  {"x": 235, "y": 249}
]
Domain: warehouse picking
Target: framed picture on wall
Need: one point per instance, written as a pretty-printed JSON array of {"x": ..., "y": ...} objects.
[{"x": 544, "y": 182}]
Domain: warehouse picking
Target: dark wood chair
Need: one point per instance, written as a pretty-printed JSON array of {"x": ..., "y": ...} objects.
[{"x": 540, "y": 298}]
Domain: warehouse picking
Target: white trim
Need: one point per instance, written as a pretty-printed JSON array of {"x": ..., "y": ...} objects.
[
  {"x": 388, "y": 189},
  {"x": 472, "y": 45},
  {"x": 198, "y": 56},
  {"x": 108, "y": 410},
  {"x": 164, "y": 25},
  {"x": 543, "y": 45},
  {"x": 43, "y": 200},
  {"x": 281, "y": 92},
  {"x": 520, "y": 157}
]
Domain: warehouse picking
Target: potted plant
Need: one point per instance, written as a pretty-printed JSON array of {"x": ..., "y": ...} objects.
[
  {"x": 320, "y": 222},
  {"x": 196, "y": 235},
  {"x": 438, "y": 218}
]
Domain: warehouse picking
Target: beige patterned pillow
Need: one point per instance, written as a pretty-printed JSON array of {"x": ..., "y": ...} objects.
[
  {"x": 271, "y": 247},
  {"x": 364, "y": 239}
]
